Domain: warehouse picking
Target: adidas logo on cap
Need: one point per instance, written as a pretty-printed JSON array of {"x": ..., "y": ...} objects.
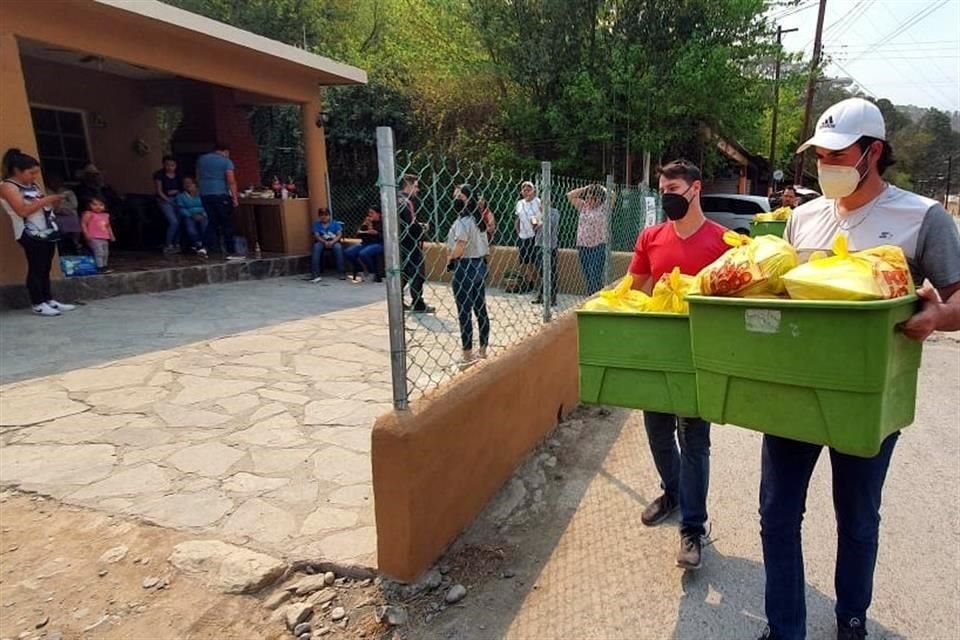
[{"x": 827, "y": 123}]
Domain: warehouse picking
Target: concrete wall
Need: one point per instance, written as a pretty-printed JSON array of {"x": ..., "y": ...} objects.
[
  {"x": 126, "y": 116},
  {"x": 505, "y": 258},
  {"x": 437, "y": 465}
]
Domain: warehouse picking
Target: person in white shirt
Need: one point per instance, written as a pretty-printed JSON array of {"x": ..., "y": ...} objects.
[
  {"x": 852, "y": 154},
  {"x": 529, "y": 211},
  {"x": 34, "y": 226}
]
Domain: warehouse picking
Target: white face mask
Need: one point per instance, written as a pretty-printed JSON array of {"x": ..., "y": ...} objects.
[{"x": 840, "y": 181}]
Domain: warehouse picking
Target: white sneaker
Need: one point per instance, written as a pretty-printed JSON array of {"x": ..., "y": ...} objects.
[
  {"x": 60, "y": 306},
  {"x": 44, "y": 309},
  {"x": 233, "y": 258},
  {"x": 202, "y": 253},
  {"x": 317, "y": 279}
]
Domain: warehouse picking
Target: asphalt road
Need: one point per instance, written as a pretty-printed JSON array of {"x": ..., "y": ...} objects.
[{"x": 585, "y": 567}]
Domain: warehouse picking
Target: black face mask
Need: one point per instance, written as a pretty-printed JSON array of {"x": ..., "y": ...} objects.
[{"x": 675, "y": 206}]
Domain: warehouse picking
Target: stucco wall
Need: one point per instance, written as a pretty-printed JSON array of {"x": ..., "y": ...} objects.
[
  {"x": 126, "y": 116},
  {"x": 437, "y": 465},
  {"x": 16, "y": 130}
]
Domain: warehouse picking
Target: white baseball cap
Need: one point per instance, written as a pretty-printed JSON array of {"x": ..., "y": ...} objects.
[{"x": 846, "y": 122}]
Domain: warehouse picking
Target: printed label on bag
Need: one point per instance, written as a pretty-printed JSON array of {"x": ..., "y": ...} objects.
[{"x": 762, "y": 320}]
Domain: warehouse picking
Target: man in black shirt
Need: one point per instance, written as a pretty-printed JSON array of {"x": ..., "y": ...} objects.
[{"x": 411, "y": 242}]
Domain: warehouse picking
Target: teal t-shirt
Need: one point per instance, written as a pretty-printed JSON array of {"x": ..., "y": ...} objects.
[{"x": 188, "y": 205}]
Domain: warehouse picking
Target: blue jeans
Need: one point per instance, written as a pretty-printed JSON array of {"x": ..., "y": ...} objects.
[
  {"x": 196, "y": 230},
  {"x": 173, "y": 222},
  {"x": 316, "y": 264},
  {"x": 364, "y": 257},
  {"x": 470, "y": 294},
  {"x": 786, "y": 467},
  {"x": 219, "y": 210},
  {"x": 593, "y": 262},
  {"x": 684, "y": 474}
]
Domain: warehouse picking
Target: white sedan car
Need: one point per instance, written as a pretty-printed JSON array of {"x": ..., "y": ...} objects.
[{"x": 733, "y": 210}]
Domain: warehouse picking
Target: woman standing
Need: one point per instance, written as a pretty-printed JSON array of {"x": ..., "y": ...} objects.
[
  {"x": 168, "y": 184},
  {"x": 590, "y": 203},
  {"x": 32, "y": 216},
  {"x": 467, "y": 244}
]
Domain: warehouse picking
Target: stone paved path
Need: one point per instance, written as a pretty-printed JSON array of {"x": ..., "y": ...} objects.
[
  {"x": 242, "y": 410},
  {"x": 261, "y": 438}
]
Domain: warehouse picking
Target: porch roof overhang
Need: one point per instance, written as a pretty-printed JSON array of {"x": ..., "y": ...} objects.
[{"x": 162, "y": 37}]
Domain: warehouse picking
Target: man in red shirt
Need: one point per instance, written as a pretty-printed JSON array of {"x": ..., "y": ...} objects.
[{"x": 689, "y": 241}]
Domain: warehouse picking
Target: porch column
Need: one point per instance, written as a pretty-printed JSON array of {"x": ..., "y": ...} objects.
[
  {"x": 16, "y": 130},
  {"x": 315, "y": 155}
]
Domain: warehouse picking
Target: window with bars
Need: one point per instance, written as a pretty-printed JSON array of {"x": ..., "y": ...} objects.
[{"x": 61, "y": 140}]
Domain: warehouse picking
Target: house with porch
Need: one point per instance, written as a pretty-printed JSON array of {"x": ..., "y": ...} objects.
[{"x": 87, "y": 81}]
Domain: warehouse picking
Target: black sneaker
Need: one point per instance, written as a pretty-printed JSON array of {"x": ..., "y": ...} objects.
[
  {"x": 854, "y": 630},
  {"x": 424, "y": 309},
  {"x": 658, "y": 510},
  {"x": 537, "y": 300},
  {"x": 691, "y": 550},
  {"x": 767, "y": 635}
]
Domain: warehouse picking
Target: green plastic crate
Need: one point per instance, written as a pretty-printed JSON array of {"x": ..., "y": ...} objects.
[
  {"x": 775, "y": 228},
  {"x": 832, "y": 373},
  {"x": 637, "y": 360}
]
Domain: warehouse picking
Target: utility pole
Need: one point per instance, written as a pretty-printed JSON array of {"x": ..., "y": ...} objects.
[
  {"x": 946, "y": 195},
  {"x": 811, "y": 87},
  {"x": 776, "y": 103}
]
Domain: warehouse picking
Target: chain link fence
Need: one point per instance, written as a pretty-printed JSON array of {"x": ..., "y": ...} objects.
[
  {"x": 349, "y": 203},
  {"x": 479, "y": 255}
]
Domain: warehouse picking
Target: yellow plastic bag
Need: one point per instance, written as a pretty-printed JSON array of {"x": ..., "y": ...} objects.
[
  {"x": 879, "y": 273},
  {"x": 619, "y": 299},
  {"x": 669, "y": 294},
  {"x": 777, "y": 215},
  {"x": 753, "y": 267}
]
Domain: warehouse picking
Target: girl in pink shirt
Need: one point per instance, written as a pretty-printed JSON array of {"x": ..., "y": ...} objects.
[{"x": 98, "y": 232}]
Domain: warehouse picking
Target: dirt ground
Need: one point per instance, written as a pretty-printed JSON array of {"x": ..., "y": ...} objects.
[
  {"x": 51, "y": 584},
  {"x": 55, "y": 585}
]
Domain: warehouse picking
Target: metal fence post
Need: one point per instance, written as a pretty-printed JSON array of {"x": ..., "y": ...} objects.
[
  {"x": 608, "y": 204},
  {"x": 391, "y": 238},
  {"x": 546, "y": 239}
]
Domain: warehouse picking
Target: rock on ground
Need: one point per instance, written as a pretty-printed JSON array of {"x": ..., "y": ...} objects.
[{"x": 229, "y": 568}]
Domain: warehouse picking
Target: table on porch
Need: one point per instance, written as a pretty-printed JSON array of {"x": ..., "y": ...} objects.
[{"x": 279, "y": 226}]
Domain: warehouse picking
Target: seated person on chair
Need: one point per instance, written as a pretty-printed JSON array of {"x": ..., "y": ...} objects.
[
  {"x": 364, "y": 255},
  {"x": 327, "y": 236},
  {"x": 194, "y": 216}
]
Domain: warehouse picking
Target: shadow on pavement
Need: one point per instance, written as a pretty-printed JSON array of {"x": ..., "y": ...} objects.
[
  {"x": 125, "y": 326},
  {"x": 725, "y": 600},
  {"x": 517, "y": 546}
]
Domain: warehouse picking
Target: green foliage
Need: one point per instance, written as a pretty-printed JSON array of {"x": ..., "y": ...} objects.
[{"x": 508, "y": 83}]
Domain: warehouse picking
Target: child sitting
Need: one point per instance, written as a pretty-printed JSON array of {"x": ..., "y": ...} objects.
[
  {"x": 97, "y": 232},
  {"x": 364, "y": 255},
  {"x": 327, "y": 236},
  {"x": 190, "y": 206}
]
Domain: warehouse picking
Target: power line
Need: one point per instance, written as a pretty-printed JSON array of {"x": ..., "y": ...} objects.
[
  {"x": 903, "y": 26},
  {"x": 903, "y": 44},
  {"x": 841, "y": 31},
  {"x": 858, "y": 83},
  {"x": 933, "y": 89},
  {"x": 794, "y": 10}
]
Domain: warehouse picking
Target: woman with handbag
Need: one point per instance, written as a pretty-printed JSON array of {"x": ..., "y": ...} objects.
[
  {"x": 34, "y": 226},
  {"x": 468, "y": 247}
]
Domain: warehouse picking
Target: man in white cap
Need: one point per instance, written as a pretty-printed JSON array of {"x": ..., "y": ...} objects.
[{"x": 852, "y": 154}]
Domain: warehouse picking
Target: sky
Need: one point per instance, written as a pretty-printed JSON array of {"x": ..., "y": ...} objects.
[{"x": 905, "y": 50}]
